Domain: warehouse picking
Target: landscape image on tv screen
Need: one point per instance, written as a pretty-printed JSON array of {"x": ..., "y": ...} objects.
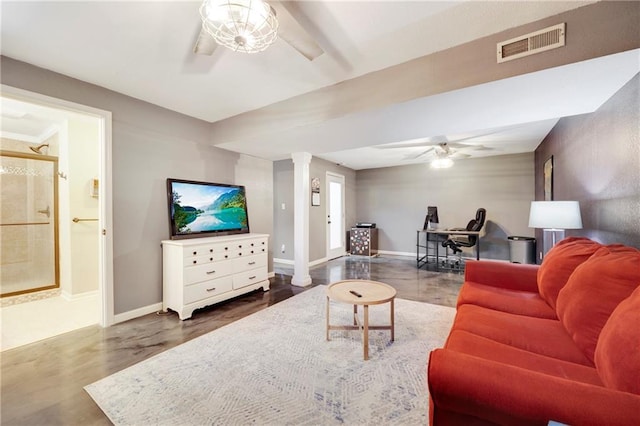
[{"x": 203, "y": 208}]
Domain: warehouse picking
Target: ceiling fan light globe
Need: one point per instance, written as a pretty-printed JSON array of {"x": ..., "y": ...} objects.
[
  {"x": 248, "y": 26},
  {"x": 442, "y": 163}
]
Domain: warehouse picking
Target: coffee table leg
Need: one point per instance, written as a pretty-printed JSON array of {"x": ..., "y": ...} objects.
[
  {"x": 355, "y": 314},
  {"x": 327, "y": 317},
  {"x": 392, "y": 325},
  {"x": 365, "y": 339}
]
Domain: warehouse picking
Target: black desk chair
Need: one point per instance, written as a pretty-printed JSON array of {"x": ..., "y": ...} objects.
[{"x": 455, "y": 242}]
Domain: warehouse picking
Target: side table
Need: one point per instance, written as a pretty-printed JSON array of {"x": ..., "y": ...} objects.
[{"x": 365, "y": 293}]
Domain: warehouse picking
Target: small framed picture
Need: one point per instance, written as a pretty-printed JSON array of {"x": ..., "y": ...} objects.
[
  {"x": 315, "y": 191},
  {"x": 548, "y": 179}
]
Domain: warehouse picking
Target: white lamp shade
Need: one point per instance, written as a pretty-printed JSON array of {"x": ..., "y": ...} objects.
[{"x": 555, "y": 215}]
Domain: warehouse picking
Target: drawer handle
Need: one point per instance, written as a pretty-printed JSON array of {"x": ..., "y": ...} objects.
[
  {"x": 251, "y": 251},
  {"x": 211, "y": 289},
  {"x": 252, "y": 277},
  {"x": 211, "y": 259},
  {"x": 239, "y": 254},
  {"x": 263, "y": 243},
  {"x": 195, "y": 261},
  {"x": 211, "y": 272},
  {"x": 226, "y": 256},
  {"x": 251, "y": 244},
  {"x": 226, "y": 248},
  {"x": 252, "y": 263},
  {"x": 240, "y": 246},
  {"x": 195, "y": 252},
  {"x": 210, "y": 250}
]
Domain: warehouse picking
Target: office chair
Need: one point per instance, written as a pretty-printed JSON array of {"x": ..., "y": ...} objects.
[{"x": 455, "y": 242}]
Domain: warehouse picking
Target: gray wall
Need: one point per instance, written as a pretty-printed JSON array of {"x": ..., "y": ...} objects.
[
  {"x": 151, "y": 144},
  {"x": 597, "y": 162},
  {"x": 396, "y": 198},
  {"x": 283, "y": 219}
]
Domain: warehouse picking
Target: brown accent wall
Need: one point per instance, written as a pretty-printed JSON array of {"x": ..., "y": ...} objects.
[{"x": 597, "y": 162}]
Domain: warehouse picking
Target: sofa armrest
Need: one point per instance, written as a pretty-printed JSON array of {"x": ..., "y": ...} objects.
[
  {"x": 504, "y": 393},
  {"x": 513, "y": 276}
]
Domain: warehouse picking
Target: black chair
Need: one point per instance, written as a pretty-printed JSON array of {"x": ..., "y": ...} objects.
[{"x": 455, "y": 242}]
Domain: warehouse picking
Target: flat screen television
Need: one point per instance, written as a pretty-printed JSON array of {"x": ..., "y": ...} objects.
[{"x": 203, "y": 209}]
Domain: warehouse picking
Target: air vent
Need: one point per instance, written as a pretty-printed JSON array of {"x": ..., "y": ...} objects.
[{"x": 528, "y": 44}]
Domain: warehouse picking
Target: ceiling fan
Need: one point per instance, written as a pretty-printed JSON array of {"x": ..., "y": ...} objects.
[
  {"x": 237, "y": 14},
  {"x": 444, "y": 150},
  {"x": 442, "y": 147}
]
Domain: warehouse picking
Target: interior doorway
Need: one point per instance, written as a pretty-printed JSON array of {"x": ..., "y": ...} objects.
[
  {"x": 78, "y": 139},
  {"x": 335, "y": 216}
]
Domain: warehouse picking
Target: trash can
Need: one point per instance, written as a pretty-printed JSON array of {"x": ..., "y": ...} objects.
[{"x": 522, "y": 249}]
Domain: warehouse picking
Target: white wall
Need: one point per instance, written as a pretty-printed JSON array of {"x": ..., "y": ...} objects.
[{"x": 83, "y": 165}]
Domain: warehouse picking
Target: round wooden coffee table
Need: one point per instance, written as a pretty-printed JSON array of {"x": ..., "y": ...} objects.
[{"x": 365, "y": 293}]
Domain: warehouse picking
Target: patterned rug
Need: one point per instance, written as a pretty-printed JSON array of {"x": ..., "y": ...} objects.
[{"x": 276, "y": 368}]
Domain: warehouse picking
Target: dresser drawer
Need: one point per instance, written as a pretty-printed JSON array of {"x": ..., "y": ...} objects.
[
  {"x": 207, "y": 258},
  {"x": 244, "y": 279},
  {"x": 208, "y": 249},
  {"x": 199, "y": 291},
  {"x": 208, "y": 271},
  {"x": 254, "y": 244},
  {"x": 242, "y": 264}
]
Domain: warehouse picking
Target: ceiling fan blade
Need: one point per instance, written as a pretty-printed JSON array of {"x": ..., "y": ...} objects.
[
  {"x": 205, "y": 44},
  {"x": 415, "y": 157},
  {"x": 459, "y": 155},
  {"x": 291, "y": 31},
  {"x": 397, "y": 145}
]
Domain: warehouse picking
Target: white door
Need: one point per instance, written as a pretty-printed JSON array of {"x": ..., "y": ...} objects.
[{"x": 335, "y": 216}]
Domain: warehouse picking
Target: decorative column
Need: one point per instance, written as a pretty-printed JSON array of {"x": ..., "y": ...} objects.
[{"x": 301, "y": 201}]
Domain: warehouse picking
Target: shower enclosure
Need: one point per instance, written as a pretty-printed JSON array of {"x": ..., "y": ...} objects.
[{"x": 28, "y": 223}]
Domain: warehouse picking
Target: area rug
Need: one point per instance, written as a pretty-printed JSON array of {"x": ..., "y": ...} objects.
[{"x": 275, "y": 367}]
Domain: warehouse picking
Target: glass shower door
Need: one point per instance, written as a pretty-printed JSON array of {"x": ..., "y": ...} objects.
[{"x": 28, "y": 223}]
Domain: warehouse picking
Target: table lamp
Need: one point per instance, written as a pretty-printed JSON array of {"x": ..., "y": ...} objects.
[{"x": 555, "y": 216}]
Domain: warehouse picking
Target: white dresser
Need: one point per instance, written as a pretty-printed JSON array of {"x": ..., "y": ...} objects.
[{"x": 198, "y": 272}]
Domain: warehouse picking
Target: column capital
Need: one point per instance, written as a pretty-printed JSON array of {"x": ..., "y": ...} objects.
[{"x": 301, "y": 157}]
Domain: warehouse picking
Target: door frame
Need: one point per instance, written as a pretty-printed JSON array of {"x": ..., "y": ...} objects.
[
  {"x": 105, "y": 195},
  {"x": 329, "y": 253}
]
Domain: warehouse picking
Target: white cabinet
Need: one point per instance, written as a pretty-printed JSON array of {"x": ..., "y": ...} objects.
[{"x": 199, "y": 272}]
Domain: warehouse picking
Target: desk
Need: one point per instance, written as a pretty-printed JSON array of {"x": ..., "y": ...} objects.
[{"x": 436, "y": 237}]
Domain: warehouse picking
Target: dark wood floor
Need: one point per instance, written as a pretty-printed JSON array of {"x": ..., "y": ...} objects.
[{"x": 42, "y": 383}]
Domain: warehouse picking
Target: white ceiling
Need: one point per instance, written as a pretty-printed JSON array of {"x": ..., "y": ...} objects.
[{"x": 144, "y": 50}]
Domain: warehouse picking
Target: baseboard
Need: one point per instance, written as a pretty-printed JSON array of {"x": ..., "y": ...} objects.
[
  {"x": 271, "y": 274},
  {"x": 397, "y": 253},
  {"x": 318, "y": 261},
  {"x": 291, "y": 262},
  {"x": 79, "y": 296},
  {"x": 126, "y": 316}
]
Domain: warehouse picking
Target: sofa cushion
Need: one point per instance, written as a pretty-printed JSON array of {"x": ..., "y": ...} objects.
[
  {"x": 472, "y": 344},
  {"x": 560, "y": 262},
  {"x": 594, "y": 290},
  {"x": 617, "y": 354},
  {"x": 505, "y": 300},
  {"x": 538, "y": 335}
]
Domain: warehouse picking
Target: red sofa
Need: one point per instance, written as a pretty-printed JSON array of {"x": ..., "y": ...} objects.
[{"x": 532, "y": 344}]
